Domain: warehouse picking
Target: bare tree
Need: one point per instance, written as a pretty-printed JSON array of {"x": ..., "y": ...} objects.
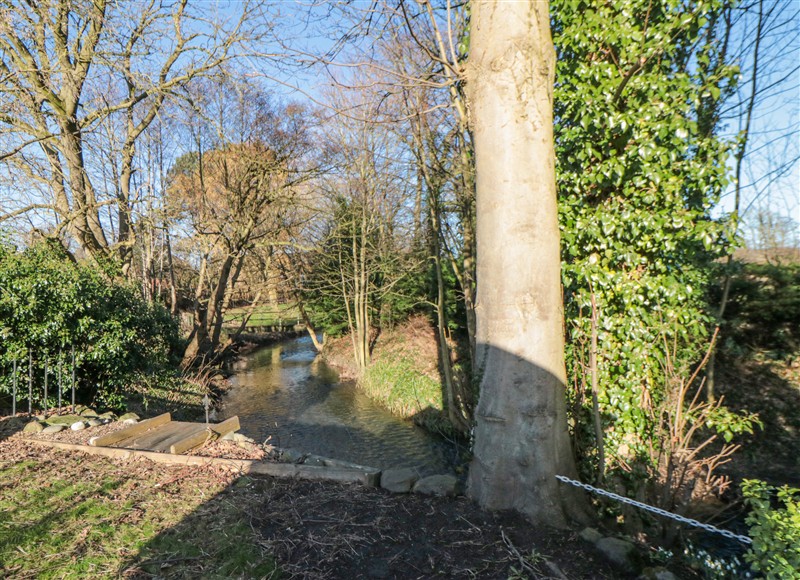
[
  {"x": 233, "y": 200},
  {"x": 69, "y": 69},
  {"x": 359, "y": 259}
]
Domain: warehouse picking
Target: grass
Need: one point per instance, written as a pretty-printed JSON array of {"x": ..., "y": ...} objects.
[
  {"x": 267, "y": 315},
  {"x": 402, "y": 388},
  {"x": 69, "y": 516}
]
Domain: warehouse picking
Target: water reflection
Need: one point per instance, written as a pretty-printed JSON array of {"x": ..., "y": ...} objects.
[{"x": 285, "y": 392}]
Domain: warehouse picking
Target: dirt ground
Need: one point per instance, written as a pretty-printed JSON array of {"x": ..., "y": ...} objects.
[{"x": 319, "y": 529}]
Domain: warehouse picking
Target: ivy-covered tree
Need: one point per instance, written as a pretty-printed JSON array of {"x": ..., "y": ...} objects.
[{"x": 640, "y": 165}]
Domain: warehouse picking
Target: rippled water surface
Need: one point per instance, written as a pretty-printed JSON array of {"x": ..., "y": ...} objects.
[{"x": 285, "y": 392}]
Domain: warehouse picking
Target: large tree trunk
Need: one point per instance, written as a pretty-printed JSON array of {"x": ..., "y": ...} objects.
[{"x": 521, "y": 437}]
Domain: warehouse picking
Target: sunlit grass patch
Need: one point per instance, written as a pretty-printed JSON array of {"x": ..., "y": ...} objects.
[
  {"x": 66, "y": 516},
  {"x": 401, "y": 387}
]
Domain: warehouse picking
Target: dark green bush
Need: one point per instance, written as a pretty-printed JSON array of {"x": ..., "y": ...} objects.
[
  {"x": 50, "y": 304},
  {"x": 763, "y": 308}
]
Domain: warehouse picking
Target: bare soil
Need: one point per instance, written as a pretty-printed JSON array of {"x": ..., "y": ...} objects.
[
  {"x": 320, "y": 530},
  {"x": 771, "y": 388}
]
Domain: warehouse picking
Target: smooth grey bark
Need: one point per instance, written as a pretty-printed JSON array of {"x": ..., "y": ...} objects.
[{"x": 521, "y": 436}]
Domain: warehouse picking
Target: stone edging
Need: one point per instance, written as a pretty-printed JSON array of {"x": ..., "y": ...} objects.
[{"x": 368, "y": 477}]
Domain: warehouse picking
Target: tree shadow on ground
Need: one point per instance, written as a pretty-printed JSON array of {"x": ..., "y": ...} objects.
[
  {"x": 183, "y": 405},
  {"x": 315, "y": 529},
  {"x": 11, "y": 425},
  {"x": 752, "y": 385}
]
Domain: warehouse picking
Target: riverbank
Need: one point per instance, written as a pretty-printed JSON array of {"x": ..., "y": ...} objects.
[
  {"x": 71, "y": 516},
  {"x": 403, "y": 375}
]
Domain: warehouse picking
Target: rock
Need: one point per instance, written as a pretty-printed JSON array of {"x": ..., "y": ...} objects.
[
  {"x": 78, "y": 426},
  {"x": 230, "y": 436},
  {"x": 657, "y": 574},
  {"x": 13, "y": 424},
  {"x": 314, "y": 461},
  {"x": 65, "y": 420},
  {"x": 127, "y": 416},
  {"x": 54, "y": 428},
  {"x": 442, "y": 485},
  {"x": 590, "y": 535},
  {"x": 41, "y": 418},
  {"x": 33, "y": 427},
  {"x": 291, "y": 456},
  {"x": 240, "y": 437},
  {"x": 399, "y": 480},
  {"x": 88, "y": 413},
  {"x": 620, "y": 553},
  {"x": 108, "y": 415},
  {"x": 130, "y": 422},
  {"x": 95, "y": 422}
]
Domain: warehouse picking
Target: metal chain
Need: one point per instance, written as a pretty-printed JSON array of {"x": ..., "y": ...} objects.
[{"x": 655, "y": 510}]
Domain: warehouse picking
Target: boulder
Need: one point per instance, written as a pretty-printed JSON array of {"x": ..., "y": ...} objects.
[
  {"x": 95, "y": 422},
  {"x": 34, "y": 427},
  {"x": 291, "y": 456},
  {"x": 127, "y": 416},
  {"x": 78, "y": 426},
  {"x": 399, "y": 480},
  {"x": 130, "y": 421},
  {"x": 314, "y": 461},
  {"x": 65, "y": 420},
  {"x": 591, "y": 535},
  {"x": 54, "y": 428},
  {"x": 13, "y": 424},
  {"x": 108, "y": 415},
  {"x": 441, "y": 485},
  {"x": 619, "y": 552},
  {"x": 88, "y": 413},
  {"x": 657, "y": 574}
]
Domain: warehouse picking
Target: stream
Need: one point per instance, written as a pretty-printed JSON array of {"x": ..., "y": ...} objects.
[{"x": 286, "y": 394}]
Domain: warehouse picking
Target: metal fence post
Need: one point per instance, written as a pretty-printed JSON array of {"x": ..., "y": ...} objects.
[
  {"x": 73, "y": 379},
  {"x": 60, "y": 361},
  {"x": 14, "y": 390},
  {"x": 30, "y": 383},
  {"x": 45, "y": 385}
]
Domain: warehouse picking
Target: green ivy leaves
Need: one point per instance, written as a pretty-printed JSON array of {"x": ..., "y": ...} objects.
[{"x": 638, "y": 170}]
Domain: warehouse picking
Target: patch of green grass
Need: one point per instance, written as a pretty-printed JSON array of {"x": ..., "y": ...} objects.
[
  {"x": 404, "y": 390},
  {"x": 63, "y": 517}
]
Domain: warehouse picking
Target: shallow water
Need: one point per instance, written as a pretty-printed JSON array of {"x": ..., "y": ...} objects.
[{"x": 287, "y": 394}]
